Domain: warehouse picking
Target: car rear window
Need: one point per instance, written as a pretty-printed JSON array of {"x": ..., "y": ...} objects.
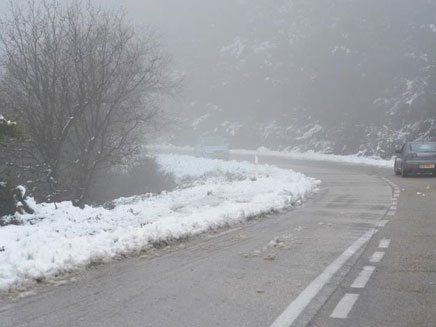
[{"x": 423, "y": 147}]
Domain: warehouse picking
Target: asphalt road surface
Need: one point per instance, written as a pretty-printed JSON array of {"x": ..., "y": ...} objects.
[{"x": 360, "y": 253}]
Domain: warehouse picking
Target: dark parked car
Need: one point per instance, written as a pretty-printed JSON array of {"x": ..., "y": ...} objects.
[{"x": 416, "y": 157}]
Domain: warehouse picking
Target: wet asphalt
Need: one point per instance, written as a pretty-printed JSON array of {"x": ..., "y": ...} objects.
[{"x": 247, "y": 275}]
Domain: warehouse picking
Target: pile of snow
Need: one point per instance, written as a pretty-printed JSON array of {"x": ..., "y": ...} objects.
[
  {"x": 310, "y": 155},
  {"x": 3, "y": 121},
  {"x": 212, "y": 194}
]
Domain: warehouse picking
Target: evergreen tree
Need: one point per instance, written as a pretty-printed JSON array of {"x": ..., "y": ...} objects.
[{"x": 11, "y": 199}]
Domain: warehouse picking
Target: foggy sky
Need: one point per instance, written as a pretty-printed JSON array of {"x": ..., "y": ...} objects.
[
  {"x": 282, "y": 67},
  {"x": 180, "y": 23}
]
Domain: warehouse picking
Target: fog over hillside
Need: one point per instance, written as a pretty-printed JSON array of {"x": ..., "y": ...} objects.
[{"x": 342, "y": 76}]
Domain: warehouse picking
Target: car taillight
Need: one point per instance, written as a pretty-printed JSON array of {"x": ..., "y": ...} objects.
[{"x": 411, "y": 155}]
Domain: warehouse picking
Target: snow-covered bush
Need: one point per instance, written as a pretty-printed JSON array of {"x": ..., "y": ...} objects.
[{"x": 11, "y": 199}]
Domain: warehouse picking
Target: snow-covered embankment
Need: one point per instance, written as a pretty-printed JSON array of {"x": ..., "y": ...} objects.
[
  {"x": 316, "y": 156},
  {"x": 211, "y": 194}
]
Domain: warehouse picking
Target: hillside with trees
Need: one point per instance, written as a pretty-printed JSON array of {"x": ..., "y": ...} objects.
[{"x": 332, "y": 76}]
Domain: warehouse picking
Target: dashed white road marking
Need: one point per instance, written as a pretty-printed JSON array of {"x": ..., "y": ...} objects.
[
  {"x": 382, "y": 223},
  {"x": 297, "y": 306},
  {"x": 394, "y": 202},
  {"x": 363, "y": 278},
  {"x": 391, "y": 213},
  {"x": 344, "y": 306},
  {"x": 394, "y": 207},
  {"x": 384, "y": 243},
  {"x": 377, "y": 256}
]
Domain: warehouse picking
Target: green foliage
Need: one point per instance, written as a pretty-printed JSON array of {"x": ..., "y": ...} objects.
[
  {"x": 7, "y": 201},
  {"x": 9, "y": 196},
  {"x": 9, "y": 129}
]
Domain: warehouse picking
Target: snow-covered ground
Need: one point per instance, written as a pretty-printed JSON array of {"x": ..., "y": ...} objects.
[
  {"x": 310, "y": 155},
  {"x": 349, "y": 159},
  {"x": 211, "y": 194}
]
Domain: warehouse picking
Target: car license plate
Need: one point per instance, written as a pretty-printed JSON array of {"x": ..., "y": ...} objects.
[{"x": 430, "y": 166}]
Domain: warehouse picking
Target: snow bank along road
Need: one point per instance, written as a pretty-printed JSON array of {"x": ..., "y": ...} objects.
[
  {"x": 274, "y": 270},
  {"x": 210, "y": 194}
]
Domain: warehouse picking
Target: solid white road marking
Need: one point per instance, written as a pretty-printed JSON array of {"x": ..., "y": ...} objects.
[
  {"x": 383, "y": 223},
  {"x": 297, "y": 306},
  {"x": 344, "y": 306},
  {"x": 363, "y": 278},
  {"x": 384, "y": 243},
  {"x": 377, "y": 256}
]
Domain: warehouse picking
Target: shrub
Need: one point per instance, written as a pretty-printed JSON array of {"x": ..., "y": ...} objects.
[{"x": 144, "y": 176}]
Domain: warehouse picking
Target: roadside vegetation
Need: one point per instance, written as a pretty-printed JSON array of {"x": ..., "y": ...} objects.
[
  {"x": 85, "y": 89},
  {"x": 12, "y": 199}
]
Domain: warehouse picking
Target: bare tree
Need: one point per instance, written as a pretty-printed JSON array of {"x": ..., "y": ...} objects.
[{"x": 84, "y": 85}]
